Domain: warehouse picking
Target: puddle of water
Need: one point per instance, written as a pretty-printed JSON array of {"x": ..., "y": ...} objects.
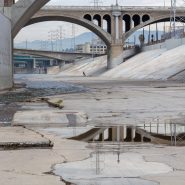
[
  {"x": 114, "y": 181},
  {"x": 112, "y": 168},
  {"x": 67, "y": 132},
  {"x": 164, "y": 129}
]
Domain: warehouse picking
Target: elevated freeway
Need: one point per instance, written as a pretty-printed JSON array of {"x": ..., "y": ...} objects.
[{"x": 64, "y": 56}]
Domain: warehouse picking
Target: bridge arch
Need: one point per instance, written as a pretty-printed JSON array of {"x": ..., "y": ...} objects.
[
  {"x": 97, "y": 18},
  {"x": 22, "y": 11},
  {"x": 152, "y": 21},
  {"x": 127, "y": 22},
  {"x": 106, "y": 37},
  {"x": 107, "y": 18},
  {"x": 145, "y": 17},
  {"x": 88, "y": 17},
  {"x": 137, "y": 19}
]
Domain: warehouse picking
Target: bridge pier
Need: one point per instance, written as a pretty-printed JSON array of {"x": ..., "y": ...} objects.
[
  {"x": 12, "y": 18},
  {"x": 6, "y": 68},
  {"x": 61, "y": 63},
  {"x": 114, "y": 55}
]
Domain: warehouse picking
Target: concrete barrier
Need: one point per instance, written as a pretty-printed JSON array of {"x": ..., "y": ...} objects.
[{"x": 6, "y": 77}]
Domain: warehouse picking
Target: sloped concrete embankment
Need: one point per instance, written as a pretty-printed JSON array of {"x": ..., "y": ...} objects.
[
  {"x": 95, "y": 66},
  {"x": 159, "y": 64}
]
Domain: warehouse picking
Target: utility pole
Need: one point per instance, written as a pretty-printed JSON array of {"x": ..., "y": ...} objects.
[
  {"x": 61, "y": 37},
  {"x": 164, "y": 21},
  {"x": 73, "y": 41},
  {"x": 157, "y": 36},
  {"x": 92, "y": 46},
  {"x": 26, "y": 44},
  {"x": 173, "y": 17},
  {"x": 116, "y": 2},
  {"x": 98, "y": 159},
  {"x": 51, "y": 39}
]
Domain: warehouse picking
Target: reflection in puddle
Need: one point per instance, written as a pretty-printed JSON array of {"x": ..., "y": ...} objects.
[
  {"x": 67, "y": 132},
  {"x": 163, "y": 129},
  {"x": 110, "y": 168},
  {"x": 114, "y": 181},
  {"x": 168, "y": 134}
]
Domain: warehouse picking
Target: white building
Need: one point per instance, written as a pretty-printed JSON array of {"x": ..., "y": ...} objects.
[{"x": 96, "y": 47}]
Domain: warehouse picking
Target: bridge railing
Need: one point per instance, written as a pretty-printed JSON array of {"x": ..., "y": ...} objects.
[{"x": 158, "y": 8}]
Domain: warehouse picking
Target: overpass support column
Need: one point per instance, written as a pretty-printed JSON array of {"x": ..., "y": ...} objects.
[
  {"x": 115, "y": 51},
  {"x": 61, "y": 63},
  {"x": 114, "y": 55},
  {"x": 116, "y": 13},
  {"x": 34, "y": 63}
]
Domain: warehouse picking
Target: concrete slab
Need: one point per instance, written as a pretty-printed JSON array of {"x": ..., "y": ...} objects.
[
  {"x": 13, "y": 178},
  {"x": 49, "y": 118},
  {"x": 19, "y": 137},
  {"x": 34, "y": 166}
]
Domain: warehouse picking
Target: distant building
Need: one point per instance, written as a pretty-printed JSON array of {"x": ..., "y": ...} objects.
[
  {"x": 96, "y": 47},
  {"x": 83, "y": 48}
]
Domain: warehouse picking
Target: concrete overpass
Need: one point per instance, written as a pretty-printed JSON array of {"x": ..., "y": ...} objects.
[
  {"x": 65, "y": 56},
  {"x": 133, "y": 18}
]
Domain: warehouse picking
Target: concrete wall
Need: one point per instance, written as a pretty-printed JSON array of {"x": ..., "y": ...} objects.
[
  {"x": 173, "y": 43},
  {"x": 6, "y": 79},
  {"x": 168, "y": 44},
  {"x": 155, "y": 46}
]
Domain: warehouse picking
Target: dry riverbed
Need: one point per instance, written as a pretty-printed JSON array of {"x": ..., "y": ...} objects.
[{"x": 106, "y": 102}]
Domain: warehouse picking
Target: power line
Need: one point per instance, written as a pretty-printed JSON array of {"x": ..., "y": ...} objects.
[{"x": 97, "y": 3}]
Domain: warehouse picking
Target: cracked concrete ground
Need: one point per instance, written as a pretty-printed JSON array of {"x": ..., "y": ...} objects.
[
  {"x": 34, "y": 166},
  {"x": 18, "y": 137},
  {"x": 108, "y": 102},
  {"x": 119, "y": 102}
]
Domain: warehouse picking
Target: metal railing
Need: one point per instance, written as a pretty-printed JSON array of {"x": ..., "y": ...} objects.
[{"x": 108, "y": 8}]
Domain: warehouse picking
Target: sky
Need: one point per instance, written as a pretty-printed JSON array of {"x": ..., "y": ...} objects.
[{"x": 40, "y": 31}]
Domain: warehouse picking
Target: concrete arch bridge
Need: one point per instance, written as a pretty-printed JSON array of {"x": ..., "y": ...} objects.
[
  {"x": 112, "y": 24},
  {"x": 106, "y": 22}
]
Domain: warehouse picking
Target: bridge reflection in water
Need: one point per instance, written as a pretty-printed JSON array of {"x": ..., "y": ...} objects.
[{"x": 166, "y": 133}]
